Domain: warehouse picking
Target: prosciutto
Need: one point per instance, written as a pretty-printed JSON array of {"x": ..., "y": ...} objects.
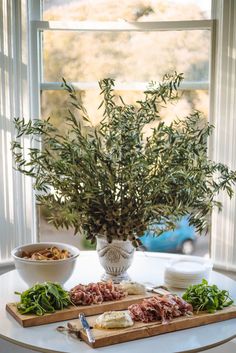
[
  {"x": 96, "y": 293},
  {"x": 162, "y": 308}
]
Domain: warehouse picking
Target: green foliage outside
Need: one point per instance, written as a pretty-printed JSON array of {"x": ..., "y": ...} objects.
[{"x": 124, "y": 56}]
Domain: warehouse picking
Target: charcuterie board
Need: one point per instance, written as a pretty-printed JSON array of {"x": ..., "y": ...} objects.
[
  {"x": 142, "y": 330},
  {"x": 72, "y": 312}
]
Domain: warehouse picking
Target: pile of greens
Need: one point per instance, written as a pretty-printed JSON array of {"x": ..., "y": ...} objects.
[
  {"x": 43, "y": 298},
  {"x": 205, "y": 297}
]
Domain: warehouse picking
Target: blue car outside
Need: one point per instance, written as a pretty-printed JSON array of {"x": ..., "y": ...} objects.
[{"x": 181, "y": 239}]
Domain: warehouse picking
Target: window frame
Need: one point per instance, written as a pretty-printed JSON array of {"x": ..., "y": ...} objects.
[
  {"x": 38, "y": 26},
  {"x": 222, "y": 107}
]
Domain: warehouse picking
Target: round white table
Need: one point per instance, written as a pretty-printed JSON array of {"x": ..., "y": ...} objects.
[{"x": 147, "y": 268}]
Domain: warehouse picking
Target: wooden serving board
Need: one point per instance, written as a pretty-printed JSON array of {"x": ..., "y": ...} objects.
[
  {"x": 72, "y": 312},
  {"x": 104, "y": 337}
]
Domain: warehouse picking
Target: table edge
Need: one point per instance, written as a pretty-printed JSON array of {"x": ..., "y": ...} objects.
[{"x": 45, "y": 350}]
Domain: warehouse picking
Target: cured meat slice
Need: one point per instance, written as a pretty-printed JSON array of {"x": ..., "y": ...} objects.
[
  {"x": 162, "y": 308},
  {"x": 96, "y": 293}
]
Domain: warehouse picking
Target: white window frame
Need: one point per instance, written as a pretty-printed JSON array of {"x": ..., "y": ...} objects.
[
  {"x": 38, "y": 25},
  {"x": 17, "y": 207},
  {"x": 222, "y": 108},
  {"x": 222, "y": 143}
]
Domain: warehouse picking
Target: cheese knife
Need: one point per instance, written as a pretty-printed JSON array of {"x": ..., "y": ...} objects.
[
  {"x": 162, "y": 290},
  {"x": 87, "y": 328}
]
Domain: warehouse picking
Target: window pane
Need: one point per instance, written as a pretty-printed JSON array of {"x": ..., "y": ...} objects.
[
  {"x": 129, "y": 10},
  {"x": 125, "y": 56},
  {"x": 56, "y": 103}
]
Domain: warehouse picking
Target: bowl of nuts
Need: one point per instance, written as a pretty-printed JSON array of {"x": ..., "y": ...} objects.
[{"x": 40, "y": 262}]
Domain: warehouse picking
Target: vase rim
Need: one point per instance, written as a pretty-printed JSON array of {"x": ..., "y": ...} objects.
[{"x": 103, "y": 237}]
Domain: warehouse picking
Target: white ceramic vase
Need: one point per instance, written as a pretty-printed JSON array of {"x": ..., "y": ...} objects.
[{"x": 115, "y": 258}]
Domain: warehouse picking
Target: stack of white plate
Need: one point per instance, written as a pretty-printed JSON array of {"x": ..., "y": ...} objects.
[{"x": 183, "y": 272}]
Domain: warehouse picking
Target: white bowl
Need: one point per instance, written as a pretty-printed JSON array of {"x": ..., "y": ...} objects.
[{"x": 33, "y": 271}]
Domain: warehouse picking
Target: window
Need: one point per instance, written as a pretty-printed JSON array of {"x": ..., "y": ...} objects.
[
  {"x": 131, "y": 41},
  {"x": 128, "y": 10},
  {"x": 20, "y": 85}
]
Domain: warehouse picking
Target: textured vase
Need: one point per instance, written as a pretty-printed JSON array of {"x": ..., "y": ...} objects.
[{"x": 115, "y": 258}]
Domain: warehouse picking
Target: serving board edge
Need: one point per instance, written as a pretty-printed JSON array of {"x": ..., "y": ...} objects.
[
  {"x": 155, "y": 329},
  {"x": 72, "y": 312}
]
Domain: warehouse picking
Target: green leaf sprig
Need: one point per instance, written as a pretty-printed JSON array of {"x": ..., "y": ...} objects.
[
  {"x": 43, "y": 298},
  {"x": 205, "y": 297},
  {"x": 112, "y": 179}
]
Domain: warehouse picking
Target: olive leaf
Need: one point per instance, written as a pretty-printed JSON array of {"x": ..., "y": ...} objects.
[{"x": 111, "y": 179}]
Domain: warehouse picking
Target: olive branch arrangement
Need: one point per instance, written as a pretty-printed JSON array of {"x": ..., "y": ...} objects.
[{"x": 113, "y": 181}]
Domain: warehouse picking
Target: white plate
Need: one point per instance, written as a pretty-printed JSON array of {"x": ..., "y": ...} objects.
[{"x": 181, "y": 273}]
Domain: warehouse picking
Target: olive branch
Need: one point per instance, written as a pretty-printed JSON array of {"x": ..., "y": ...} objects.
[{"x": 111, "y": 179}]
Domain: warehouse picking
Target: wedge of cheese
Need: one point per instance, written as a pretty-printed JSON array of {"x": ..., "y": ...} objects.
[
  {"x": 133, "y": 287},
  {"x": 114, "y": 319}
]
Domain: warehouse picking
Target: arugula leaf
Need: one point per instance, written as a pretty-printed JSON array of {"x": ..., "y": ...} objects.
[
  {"x": 43, "y": 298},
  {"x": 205, "y": 297}
]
